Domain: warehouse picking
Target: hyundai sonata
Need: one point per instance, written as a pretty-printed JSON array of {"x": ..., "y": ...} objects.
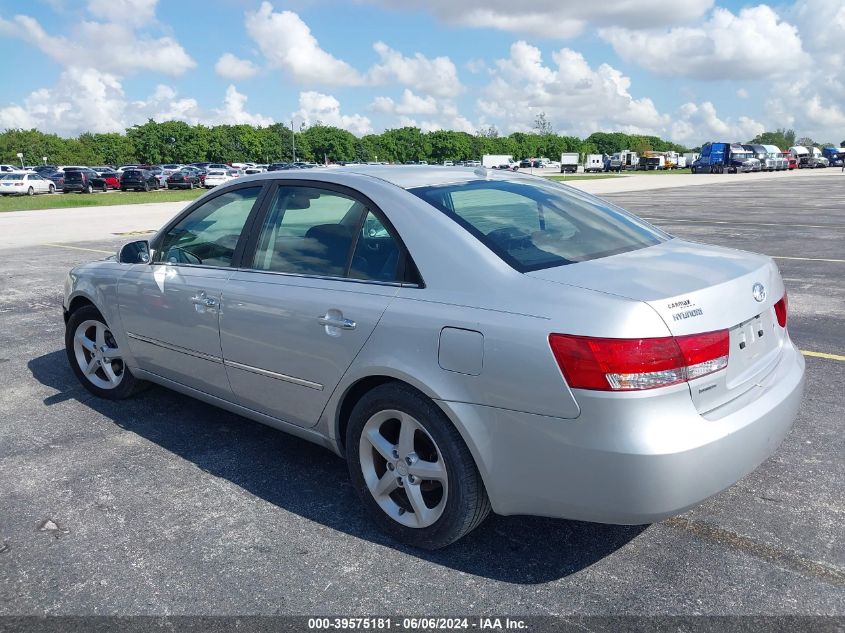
[{"x": 467, "y": 339}]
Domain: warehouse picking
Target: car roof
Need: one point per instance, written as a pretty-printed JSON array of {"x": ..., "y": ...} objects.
[{"x": 404, "y": 176}]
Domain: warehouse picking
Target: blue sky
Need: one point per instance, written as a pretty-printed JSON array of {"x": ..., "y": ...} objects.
[{"x": 690, "y": 70}]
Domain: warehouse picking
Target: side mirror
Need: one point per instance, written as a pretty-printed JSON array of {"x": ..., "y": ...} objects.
[{"x": 135, "y": 253}]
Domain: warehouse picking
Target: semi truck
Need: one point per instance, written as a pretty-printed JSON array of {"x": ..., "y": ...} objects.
[
  {"x": 717, "y": 158},
  {"x": 834, "y": 155},
  {"x": 651, "y": 161},
  {"x": 767, "y": 160}
]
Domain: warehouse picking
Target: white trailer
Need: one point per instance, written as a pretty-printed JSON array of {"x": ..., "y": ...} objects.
[
  {"x": 498, "y": 161},
  {"x": 593, "y": 162},
  {"x": 569, "y": 162},
  {"x": 690, "y": 158}
]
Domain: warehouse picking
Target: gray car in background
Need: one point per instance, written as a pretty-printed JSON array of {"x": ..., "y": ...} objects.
[{"x": 467, "y": 339}]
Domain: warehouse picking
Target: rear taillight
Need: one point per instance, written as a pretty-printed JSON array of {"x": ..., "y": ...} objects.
[
  {"x": 609, "y": 364},
  {"x": 780, "y": 310}
]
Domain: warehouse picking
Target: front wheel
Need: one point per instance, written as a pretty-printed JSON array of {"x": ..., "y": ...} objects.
[
  {"x": 411, "y": 468},
  {"x": 96, "y": 358}
]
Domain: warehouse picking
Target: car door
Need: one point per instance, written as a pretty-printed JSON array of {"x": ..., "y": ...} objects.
[
  {"x": 312, "y": 288},
  {"x": 170, "y": 307}
]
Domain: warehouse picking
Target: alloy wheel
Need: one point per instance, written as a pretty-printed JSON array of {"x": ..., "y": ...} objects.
[
  {"x": 403, "y": 468},
  {"x": 98, "y": 354}
]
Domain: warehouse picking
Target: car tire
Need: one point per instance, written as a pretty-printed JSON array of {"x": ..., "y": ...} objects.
[
  {"x": 123, "y": 189},
  {"x": 51, "y": 189},
  {"x": 89, "y": 188},
  {"x": 460, "y": 504},
  {"x": 105, "y": 188},
  {"x": 30, "y": 192},
  {"x": 104, "y": 375},
  {"x": 190, "y": 185}
]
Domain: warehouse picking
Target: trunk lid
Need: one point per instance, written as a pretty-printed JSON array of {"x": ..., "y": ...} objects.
[{"x": 697, "y": 288}]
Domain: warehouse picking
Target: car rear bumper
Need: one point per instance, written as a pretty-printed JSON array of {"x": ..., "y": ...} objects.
[{"x": 629, "y": 460}]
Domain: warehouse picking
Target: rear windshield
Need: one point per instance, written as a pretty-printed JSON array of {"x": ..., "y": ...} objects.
[
  {"x": 535, "y": 225},
  {"x": 132, "y": 173},
  {"x": 12, "y": 177},
  {"x": 73, "y": 175}
]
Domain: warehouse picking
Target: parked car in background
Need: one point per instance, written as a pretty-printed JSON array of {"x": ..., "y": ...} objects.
[
  {"x": 111, "y": 177},
  {"x": 9, "y": 169},
  {"x": 45, "y": 169},
  {"x": 183, "y": 179},
  {"x": 279, "y": 167},
  {"x": 199, "y": 171},
  {"x": 138, "y": 180},
  {"x": 57, "y": 177},
  {"x": 84, "y": 180},
  {"x": 216, "y": 177},
  {"x": 170, "y": 168},
  {"x": 25, "y": 184}
]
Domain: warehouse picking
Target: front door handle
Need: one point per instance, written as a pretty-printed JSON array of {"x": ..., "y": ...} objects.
[{"x": 338, "y": 322}]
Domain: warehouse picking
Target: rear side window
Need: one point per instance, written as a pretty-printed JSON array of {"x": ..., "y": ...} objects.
[
  {"x": 535, "y": 225},
  {"x": 309, "y": 231}
]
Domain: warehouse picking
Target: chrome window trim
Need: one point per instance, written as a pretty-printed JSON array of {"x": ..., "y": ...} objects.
[
  {"x": 371, "y": 282},
  {"x": 272, "y": 374}
]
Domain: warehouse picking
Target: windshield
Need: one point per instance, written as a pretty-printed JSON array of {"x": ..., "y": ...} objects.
[
  {"x": 533, "y": 225},
  {"x": 12, "y": 177},
  {"x": 741, "y": 155}
]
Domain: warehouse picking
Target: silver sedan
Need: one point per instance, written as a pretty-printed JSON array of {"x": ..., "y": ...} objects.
[{"x": 468, "y": 340}]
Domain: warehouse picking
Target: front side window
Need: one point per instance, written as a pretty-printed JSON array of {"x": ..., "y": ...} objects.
[
  {"x": 533, "y": 225},
  {"x": 209, "y": 234}
]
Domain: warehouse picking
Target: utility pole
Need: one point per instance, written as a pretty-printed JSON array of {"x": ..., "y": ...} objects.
[{"x": 293, "y": 140}]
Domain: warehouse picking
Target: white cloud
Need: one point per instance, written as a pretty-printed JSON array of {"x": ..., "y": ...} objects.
[
  {"x": 317, "y": 107},
  {"x": 231, "y": 67},
  {"x": 576, "y": 98},
  {"x": 410, "y": 103},
  {"x": 695, "y": 124},
  {"x": 234, "y": 111},
  {"x": 109, "y": 47},
  {"x": 742, "y": 93},
  {"x": 813, "y": 102},
  {"x": 83, "y": 100},
  {"x": 754, "y": 44},
  {"x": 558, "y": 18},
  {"x": 438, "y": 114},
  {"x": 287, "y": 43},
  {"x": 437, "y": 76},
  {"x": 579, "y": 99},
  {"x": 134, "y": 12}
]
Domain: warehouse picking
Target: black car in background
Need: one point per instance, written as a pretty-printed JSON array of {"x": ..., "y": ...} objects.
[
  {"x": 83, "y": 180},
  {"x": 183, "y": 179},
  {"x": 138, "y": 179},
  {"x": 57, "y": 176},
  {"x": 280, "y": 167}
]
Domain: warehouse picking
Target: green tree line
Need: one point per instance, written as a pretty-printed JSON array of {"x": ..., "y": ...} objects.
[{"x": 178, "y": 142}]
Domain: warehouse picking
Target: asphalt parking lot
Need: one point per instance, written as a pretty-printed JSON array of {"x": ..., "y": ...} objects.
[{"x": 163, "y": 505}]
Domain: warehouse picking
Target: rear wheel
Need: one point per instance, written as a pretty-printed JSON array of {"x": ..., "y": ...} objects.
[
  {"x": 96, "y": 358},
  {"x": 51, "y": 189},
  {"x": 105, "y": 188},
  {"x": 411, "y": 468},
  {"x": 89, "y": 188},
  {"x": 146, "y": 186},
  {"x": 30, "y": 192}
]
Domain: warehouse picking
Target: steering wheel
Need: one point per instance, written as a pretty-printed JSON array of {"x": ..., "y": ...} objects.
[
  {"x": 510, "y": 238},
  {"x": 177, "y": 255}
]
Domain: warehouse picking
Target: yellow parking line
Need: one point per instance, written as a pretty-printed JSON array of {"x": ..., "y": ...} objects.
[
  {"x": 824, "y": 355},
  {"x": 809, "y": 259},
  {"x": 79, "y": 248}
]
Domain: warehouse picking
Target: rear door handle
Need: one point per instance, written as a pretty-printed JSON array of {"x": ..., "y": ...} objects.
[{"x": 340, "y": 323}]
